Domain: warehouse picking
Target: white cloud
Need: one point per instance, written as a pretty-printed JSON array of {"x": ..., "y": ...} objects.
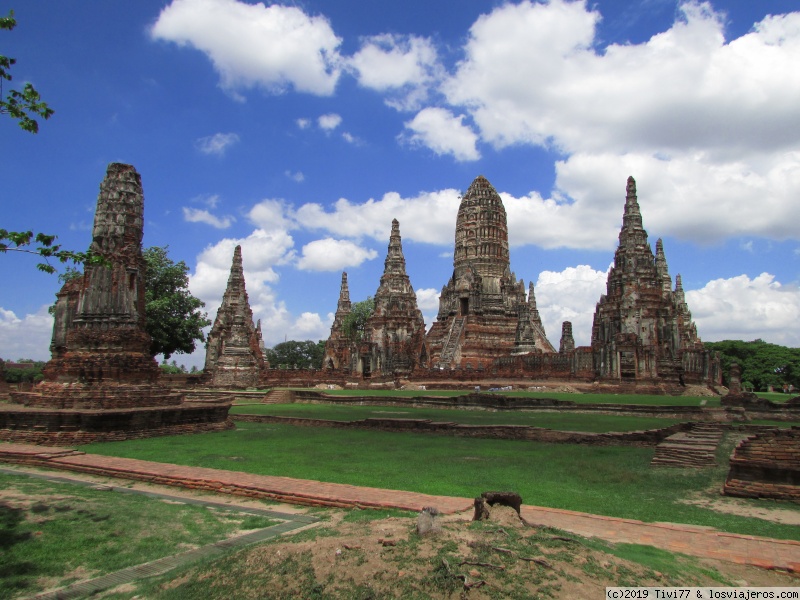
[
  {"x": 217, "y": 143},
  {"x": 404, "y": 67},
  {"x": 698, "y": 120},
  {"x": 303, "y": 123},
  {"x": 442, "y": 132},
  {"x": 569, "y": 295},
  {"x": 252, "y": 45},
  {"x": 746, "y": 309},
  {"x": 431, "y": 213},
  {"x": 26, "y": 337},
  {"x": 351, "y": 139},
  {"x": 428, "y": 304},
  {"x": 329, "y": 122},
  {"x": 333, "y": 255},
  {"x": 271, "y": 215},
  {"x": 296, "y": 176},
  {"x": 197, "y": 215}
]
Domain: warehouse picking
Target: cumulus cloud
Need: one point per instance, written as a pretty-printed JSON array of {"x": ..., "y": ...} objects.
[
  {"x": 296, "y": 176},
  {"x": 403, "y": 67},
  {"x": 329, "y": 122},
  {"x": 569, "y": 295},
  {"x": 443, "y": 132},
  {"x": 197, "y": 215},
  {"x": 303, "y": 123},
  {"x": 252, "y": 45},
  {"x": 27, "y": 336},
  {"x": 333, "y": 255},
  {"x": 746, "y": 309},
  {"x": 217, "y": 143},
  {"x": 698, "y": 120},
  {"x": 271, "y": 215},
  {"x": 431, "y": 213}
]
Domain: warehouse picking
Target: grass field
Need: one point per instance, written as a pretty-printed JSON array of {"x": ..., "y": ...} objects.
[
  {"x": 615, "y": 481},
  {"x": 549, "y": 420},
  {"x": 53, "y": 533}
]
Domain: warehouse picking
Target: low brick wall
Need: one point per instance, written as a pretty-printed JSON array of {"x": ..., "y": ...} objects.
[
  {"x": 503, "y": 432},
  {"x": 498, "y": 402},
  {"x": 766, "y": 465},
  {"x": 51, "y": 427}
]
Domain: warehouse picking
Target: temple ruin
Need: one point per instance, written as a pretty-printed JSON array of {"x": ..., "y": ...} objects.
[
  {"x": 234, "y": 355},
  {"x": 102, "y": 382},
  {"x": 642, "y": 327},
  {"x": 643, "y": 332},
  {"x": 394, "y": 339},
  {"x": 484, "y": 313}
]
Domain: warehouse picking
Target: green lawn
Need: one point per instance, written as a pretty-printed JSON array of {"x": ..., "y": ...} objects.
[
  {"x": 55, "y": 533},
  {"x": 616, "y": 481},
  {"x": 562, "y": 421}
]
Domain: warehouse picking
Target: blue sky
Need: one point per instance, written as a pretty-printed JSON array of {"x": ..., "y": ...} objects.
[{"x": 300, "y": 130}]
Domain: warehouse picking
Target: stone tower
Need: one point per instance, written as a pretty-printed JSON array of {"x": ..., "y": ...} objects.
[
  {"x": 233, "y": 355},
  {"x": 395, "y": 333},
  {"x": 337, "y": 348},
  {"x": 483, "y": 311},
  {"x": 567, "y": 341},
  {"x": 100, "y": 349},
  {"x": 642, "y": 328}
]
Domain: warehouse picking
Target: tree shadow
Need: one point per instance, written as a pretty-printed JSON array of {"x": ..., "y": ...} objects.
[{"x": 15, "y": 573}]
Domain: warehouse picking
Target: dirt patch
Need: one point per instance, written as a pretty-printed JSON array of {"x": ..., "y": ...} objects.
[
  {"x": 748, "y": 508},
  {"x": 501, "y": 557}
]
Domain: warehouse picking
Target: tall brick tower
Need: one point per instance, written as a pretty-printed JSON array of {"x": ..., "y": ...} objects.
[{"x": 483, "y": 310}]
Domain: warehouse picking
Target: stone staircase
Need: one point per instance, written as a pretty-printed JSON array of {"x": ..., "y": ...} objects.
[
  {"x": 278, "y": 397},
  {"x": 695, "y": 448},
  {"x": 450, "y": 346}
]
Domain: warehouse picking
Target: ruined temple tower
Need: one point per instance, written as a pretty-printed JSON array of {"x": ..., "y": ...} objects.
[
  {"x": 394, "y": 343},
  {"x": 102, "y": 383},
  {"x": 337, "y": 353},
  {"x": 483, "y": 310},
  {"x": 642, "y": 327},
  {"x": 100, "y": 349},
  {"x": 234, "y": 357}
]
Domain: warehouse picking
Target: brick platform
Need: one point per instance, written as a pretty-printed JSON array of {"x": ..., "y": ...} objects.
[{"x": 695, "y": 541}]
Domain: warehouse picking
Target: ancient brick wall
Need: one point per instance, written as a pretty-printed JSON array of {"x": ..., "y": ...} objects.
[
  {"x": 501, "y": 432},
  {"x": 766, "y": 465}
]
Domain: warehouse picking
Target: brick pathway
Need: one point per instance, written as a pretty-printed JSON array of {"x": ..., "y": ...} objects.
[{"x": 692, "y": 540}]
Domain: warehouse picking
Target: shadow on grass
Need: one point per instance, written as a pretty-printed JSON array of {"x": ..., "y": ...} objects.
[{"x": 15, "y": 574}]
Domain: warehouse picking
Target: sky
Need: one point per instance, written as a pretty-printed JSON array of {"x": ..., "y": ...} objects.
[{"x": 300, "y": 130}]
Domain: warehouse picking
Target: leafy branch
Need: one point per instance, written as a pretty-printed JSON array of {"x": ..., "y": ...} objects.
[
  {"x": 20, "y": 104},
  {"x": 44, "y": 246}
]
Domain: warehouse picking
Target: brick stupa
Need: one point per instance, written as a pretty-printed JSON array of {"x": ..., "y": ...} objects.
[
  {"x": 102, "y": 382},
  {"x": 338, "y": 355},
  {"x": 484, "y": 313},
  {"x": 396, "y": 329},
  {"x": 234, "y": 358},
  {"x": 642, "y": 326}
]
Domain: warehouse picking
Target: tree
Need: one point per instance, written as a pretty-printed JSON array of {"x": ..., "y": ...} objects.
[
  {"x": 20, "y": 105},
  {"x": 355, "y": 323},
  {"x": 762, "y": 364},
  {"x": 291, "y": 354},
  {"x": 174, "y": 319}
]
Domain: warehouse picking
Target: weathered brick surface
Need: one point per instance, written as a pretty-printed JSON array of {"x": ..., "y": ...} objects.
[
  {"x": 502, "y": 432},
  {"x": 766, "y": 465},
  {"x": 234, "y": 358}
]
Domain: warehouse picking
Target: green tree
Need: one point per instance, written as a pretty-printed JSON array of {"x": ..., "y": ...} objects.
[
  {"x": 20, "y": 105},
  {"x": 292, "y": 354},
  {"x": 174, "y": 319},
  {"x": 355, "y": 323},
  {"x": 762, "y": 364}
]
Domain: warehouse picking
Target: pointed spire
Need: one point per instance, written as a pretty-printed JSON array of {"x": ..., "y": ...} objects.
[
  {"x": 531, "y": 297},
  {"x": 344, "y": 296},
  {"x": 662, "y": 269},
  {"x": 395, "y": 261},
  {"x": 632, "y": 231}
]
